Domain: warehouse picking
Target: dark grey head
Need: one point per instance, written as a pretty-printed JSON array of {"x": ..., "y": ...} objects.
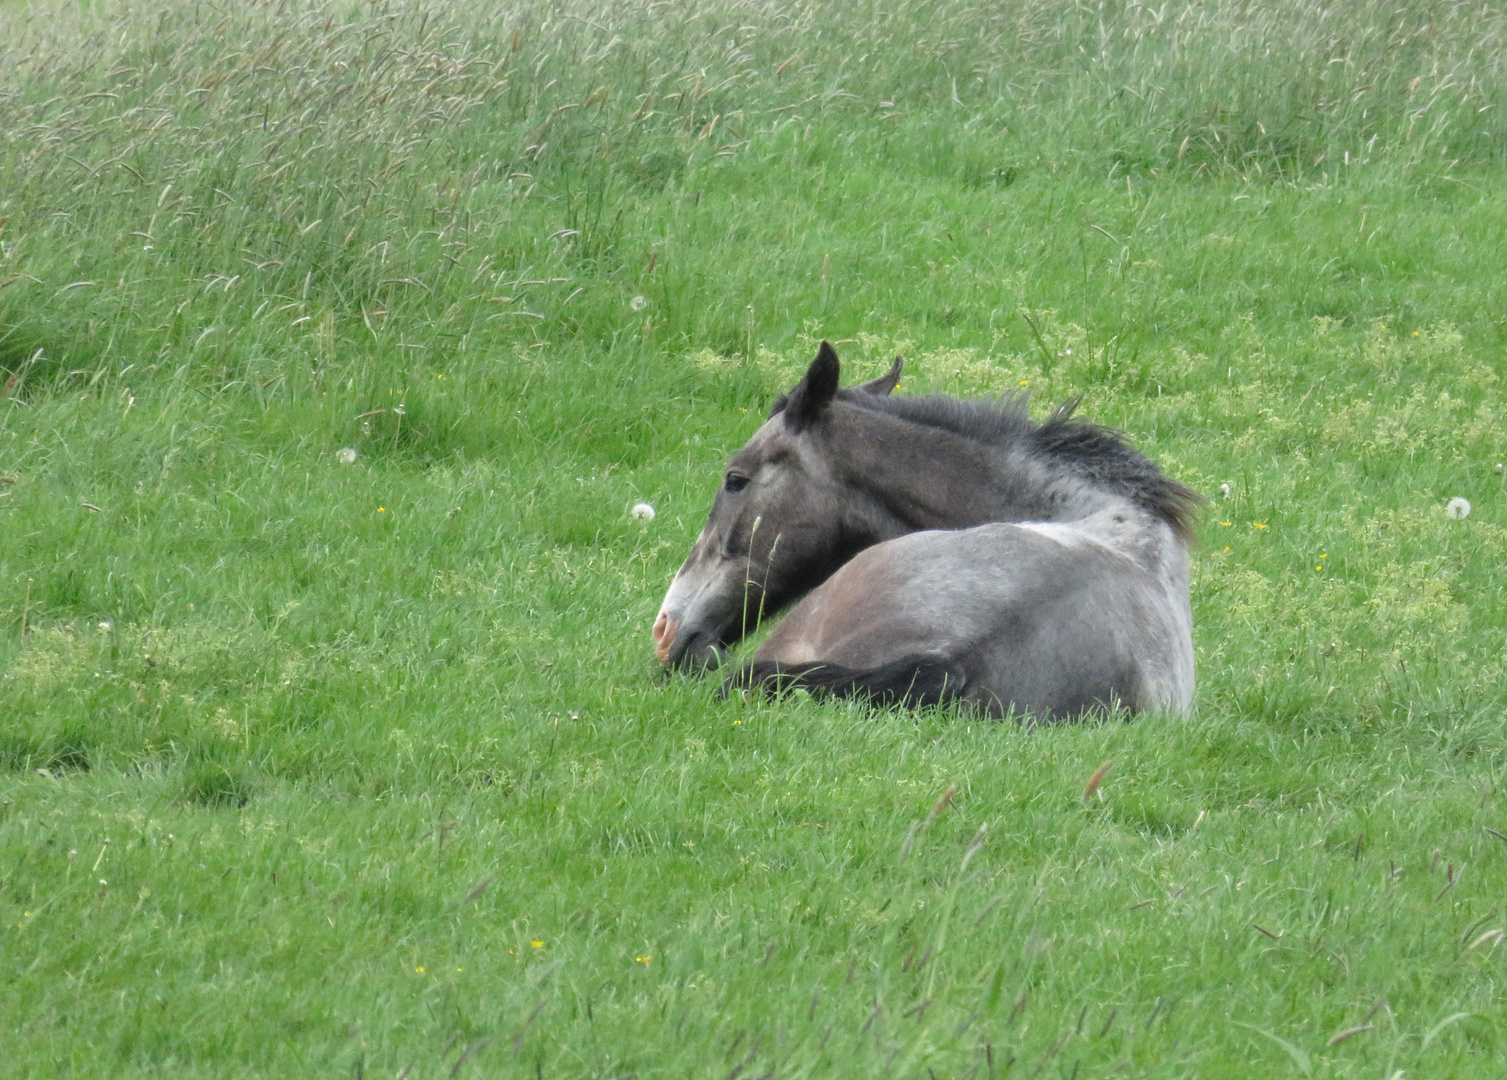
[{"x": 783, "y": 520}]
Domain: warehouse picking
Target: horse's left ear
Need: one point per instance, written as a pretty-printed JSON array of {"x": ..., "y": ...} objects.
[
  {"x": 885, "y": 384},
  {"x": 814, "y": 392}
]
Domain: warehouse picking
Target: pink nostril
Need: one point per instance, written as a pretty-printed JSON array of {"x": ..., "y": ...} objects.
[{"x": 664, "y": 637}]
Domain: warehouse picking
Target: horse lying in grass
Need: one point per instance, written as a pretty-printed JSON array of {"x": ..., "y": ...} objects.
[{"x": 947, "y": 551}]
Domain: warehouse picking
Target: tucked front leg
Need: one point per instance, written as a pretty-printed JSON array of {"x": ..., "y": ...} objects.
[{"x": 912, "y": 681}]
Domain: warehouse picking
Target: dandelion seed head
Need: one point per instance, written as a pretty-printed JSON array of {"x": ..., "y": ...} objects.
[
  {"x": 1457, "y": 508},
  {"x": 105, "y": 627},
  {"x": 346, "y": 455},
  {"x": 642, "y": 512},
  {"x": 638, "y": 303},
  {"x": 1224, "y": 491}
]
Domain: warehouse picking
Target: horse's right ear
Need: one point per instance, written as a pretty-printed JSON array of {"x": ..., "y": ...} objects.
[
  {"x": 815, "y": 391},
  {"x": 885, "y": 384}
]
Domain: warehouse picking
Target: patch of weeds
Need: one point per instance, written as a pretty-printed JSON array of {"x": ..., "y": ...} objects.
[
  {"x": 1152, "y": 815},
  {"x": 213, "y": 784},
  {"x": 656, "y": 170},
  {"x": 977, "y": 175},
  {"x": 68, "y": 752},
  {"x": 69, "y": 757}
]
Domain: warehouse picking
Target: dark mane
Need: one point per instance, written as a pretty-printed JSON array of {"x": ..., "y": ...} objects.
[{"x": 1098, "y": 454}]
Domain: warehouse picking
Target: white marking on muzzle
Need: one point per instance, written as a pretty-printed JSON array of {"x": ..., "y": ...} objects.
[{"x": 680, "y": 606}]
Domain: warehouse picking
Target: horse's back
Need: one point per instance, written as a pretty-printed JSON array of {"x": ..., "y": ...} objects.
[{"x": 1046, "y": 621}]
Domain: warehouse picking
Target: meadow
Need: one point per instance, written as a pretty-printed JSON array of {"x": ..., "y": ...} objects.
[{"x": 338, "y": 339}]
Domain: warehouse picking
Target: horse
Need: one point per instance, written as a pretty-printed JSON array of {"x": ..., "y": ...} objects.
[{"x": 941, "y": 550}]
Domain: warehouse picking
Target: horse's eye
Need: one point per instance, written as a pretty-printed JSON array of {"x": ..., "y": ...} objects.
[{"x": 736, "y": 481}]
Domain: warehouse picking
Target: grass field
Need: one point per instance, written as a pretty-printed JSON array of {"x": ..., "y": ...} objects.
[{"x": 322, "y": 767}]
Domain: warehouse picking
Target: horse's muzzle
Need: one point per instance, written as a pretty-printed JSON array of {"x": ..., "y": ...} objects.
[{"x": 695, "y": 649}]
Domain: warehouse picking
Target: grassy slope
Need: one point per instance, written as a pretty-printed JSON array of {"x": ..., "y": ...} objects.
[{"x": 303, "y": 759}]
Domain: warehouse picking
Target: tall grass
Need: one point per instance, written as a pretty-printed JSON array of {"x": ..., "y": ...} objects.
[{"x": 354, "y": 169}]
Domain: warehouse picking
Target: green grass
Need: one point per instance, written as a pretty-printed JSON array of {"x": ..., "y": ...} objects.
[{"x": 321, "y": 768}]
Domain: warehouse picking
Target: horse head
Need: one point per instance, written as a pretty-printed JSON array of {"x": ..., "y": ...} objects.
[{"x": 781, "y": 523}]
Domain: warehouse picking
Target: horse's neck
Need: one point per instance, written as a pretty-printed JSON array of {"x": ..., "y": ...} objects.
[
  {"x": 930, "y": 479},
  {"x": 939, "y": 480},
  {"x": 952, "y": 493}
]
